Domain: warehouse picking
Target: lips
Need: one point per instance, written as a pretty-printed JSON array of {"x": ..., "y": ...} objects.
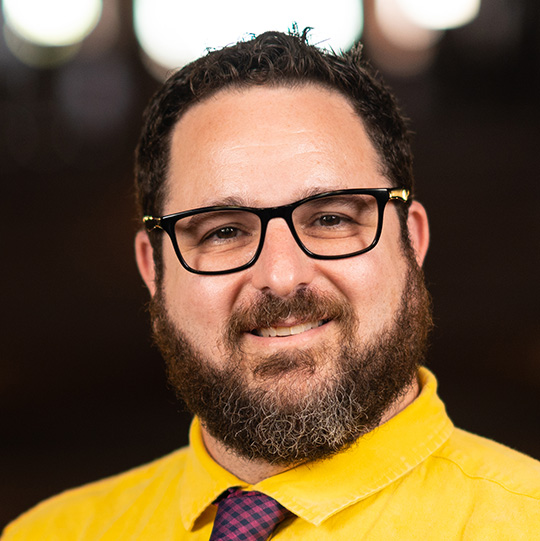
[{"x": 270, "y": 332}]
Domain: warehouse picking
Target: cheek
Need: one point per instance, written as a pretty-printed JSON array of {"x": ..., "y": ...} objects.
[
  {"x": 199, "y": 305},
  {"x": 373, "y": 284}
]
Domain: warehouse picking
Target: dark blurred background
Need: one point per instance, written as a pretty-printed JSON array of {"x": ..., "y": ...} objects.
[{"x": 83, "y": 394}]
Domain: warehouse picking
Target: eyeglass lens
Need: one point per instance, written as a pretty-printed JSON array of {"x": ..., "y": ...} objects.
[{"x": 335, "y": 225}]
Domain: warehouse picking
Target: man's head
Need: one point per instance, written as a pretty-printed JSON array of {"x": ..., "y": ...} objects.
[{"x": 350, "y": 332}]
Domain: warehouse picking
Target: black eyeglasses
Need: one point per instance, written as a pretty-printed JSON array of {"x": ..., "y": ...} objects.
[{"x": 226, "y": 239}]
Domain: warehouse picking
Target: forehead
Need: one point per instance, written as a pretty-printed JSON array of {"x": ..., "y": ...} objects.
[{"x": 268, "y": 146}]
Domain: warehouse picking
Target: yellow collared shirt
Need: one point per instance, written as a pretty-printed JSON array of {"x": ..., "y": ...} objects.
[{"x": 414, "y": 477}]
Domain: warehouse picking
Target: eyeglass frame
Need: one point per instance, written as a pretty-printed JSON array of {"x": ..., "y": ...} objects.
[{"x": 382, "y": 195}]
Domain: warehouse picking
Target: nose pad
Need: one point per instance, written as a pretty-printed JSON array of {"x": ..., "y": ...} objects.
[{"x": 282, "y": 267}]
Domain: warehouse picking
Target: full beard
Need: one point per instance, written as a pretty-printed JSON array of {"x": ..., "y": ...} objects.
[{"x": 298, "y": 405}]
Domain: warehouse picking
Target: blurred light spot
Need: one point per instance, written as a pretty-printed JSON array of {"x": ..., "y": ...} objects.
[
  {"x": 396, "y": 44},
  {"x": 440, "y": 14},
  {"x": 402, "y": 31},
  {"x": 105, "y": 34},
  {"x": 174, "y": 32},
  {"x": 53, "y": 23},
  {"x": 495, "y": 37},
  {"x": 37, "y": 56}
]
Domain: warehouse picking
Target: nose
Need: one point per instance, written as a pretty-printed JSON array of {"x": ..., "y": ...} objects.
[{"x": 282, "y": 267}]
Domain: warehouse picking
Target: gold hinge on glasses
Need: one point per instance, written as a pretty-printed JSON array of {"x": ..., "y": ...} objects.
[
  {"x": 151, "y": 223},
  {"x": 400, "y": 193}
]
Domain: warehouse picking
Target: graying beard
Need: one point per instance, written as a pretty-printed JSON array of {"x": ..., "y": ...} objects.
[{"x": 324, "y": 421}]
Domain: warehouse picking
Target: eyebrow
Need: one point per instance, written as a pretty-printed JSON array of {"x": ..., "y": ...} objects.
[
  {"x": 239, "y": 201},
  {"x": 229, "y": 201},
  {"x": 194, "y": 221}
]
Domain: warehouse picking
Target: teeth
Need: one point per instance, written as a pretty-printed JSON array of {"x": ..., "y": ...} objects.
[
  {"x": 288, "y": 331},
  {"x": 271, "y": 332}
]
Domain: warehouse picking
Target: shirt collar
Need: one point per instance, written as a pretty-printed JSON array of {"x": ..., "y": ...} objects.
[{"x": 318, "y": 490}]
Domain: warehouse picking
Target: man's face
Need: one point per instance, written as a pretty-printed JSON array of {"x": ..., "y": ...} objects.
[{"x": 266, "y": 147}]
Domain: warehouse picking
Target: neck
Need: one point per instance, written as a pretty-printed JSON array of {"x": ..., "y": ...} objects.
[
  {"x": 254, "y": 471},
  {"x": 247, "y": 470}
]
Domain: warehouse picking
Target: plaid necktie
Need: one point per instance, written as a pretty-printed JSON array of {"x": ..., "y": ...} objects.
[{"x": 246, "y": 516}]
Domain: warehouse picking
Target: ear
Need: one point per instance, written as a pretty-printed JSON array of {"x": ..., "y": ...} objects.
[
  {"x": 418, "y": 225},
  {"x": 144, "y": 254}
]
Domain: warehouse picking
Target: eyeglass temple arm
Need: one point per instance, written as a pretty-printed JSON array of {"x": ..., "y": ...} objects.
[
  {"x": 151, "y": 223},
  {"x": 400, "y": 193}
]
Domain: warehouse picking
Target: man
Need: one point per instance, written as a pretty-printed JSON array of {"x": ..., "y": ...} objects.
[{"x": 282, "y": 250}]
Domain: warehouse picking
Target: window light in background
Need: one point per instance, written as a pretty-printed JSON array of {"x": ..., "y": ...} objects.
[
  {"x": 400, "y": 30},
  {"x": 52, "y": 23},
  {"x": 440, "y": 14},
  {"x": 174, "y": 32},
  {"x": 403, "y": 34}
]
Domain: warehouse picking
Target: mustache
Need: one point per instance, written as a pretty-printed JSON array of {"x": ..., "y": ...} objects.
[{"x": 268, "y": 310}]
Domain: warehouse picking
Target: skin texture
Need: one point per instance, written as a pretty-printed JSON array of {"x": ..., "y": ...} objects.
[{"x": 268, "y": 147}]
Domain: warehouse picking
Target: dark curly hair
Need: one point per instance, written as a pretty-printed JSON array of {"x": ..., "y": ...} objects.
[{"x": 271, "y": 59}]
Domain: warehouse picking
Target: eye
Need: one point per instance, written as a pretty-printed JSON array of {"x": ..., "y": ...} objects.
[
  {"x": 226, "y": 233},
  {"x": 330, "y": 220},
  {"x": 223, "y": 233}
]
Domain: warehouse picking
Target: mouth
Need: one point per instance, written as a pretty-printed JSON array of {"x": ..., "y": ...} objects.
[{"x": 280, "y": 331}]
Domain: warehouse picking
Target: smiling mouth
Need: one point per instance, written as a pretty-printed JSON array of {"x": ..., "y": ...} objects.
[{"x": 271, "y": 332}]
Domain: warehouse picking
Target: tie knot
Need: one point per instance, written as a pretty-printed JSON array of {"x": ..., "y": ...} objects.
[{"x": 246, "y": 516}]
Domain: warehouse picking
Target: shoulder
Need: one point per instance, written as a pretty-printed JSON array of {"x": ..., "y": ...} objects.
[
  {"x": 473, "y": 488},
  {"x": 98, "y": 502},
  {"x": 490, "y": 466}
]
